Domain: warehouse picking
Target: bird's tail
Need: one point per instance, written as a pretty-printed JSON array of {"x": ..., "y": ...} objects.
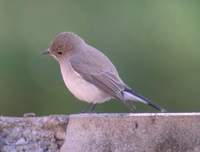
[{"x": 133, "y": 96}]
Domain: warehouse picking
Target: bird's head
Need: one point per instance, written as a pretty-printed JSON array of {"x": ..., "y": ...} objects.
[{"x": 63, "y": 44}]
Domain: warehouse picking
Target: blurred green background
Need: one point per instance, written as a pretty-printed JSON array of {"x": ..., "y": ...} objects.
[{"x": 154, "y": 44}]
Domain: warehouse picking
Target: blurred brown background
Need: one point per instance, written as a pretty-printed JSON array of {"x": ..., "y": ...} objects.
[{"x": 154, "y": 44}]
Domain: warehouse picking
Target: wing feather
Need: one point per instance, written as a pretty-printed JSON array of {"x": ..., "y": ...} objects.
[{"x": 100, "y": 76}]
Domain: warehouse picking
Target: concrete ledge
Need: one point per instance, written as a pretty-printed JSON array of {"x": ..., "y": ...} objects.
[
  {"x": 149, "y": 132},
  {"x": 162, "y": 132}
]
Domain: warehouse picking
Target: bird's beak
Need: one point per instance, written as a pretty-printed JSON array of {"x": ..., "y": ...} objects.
[{"x": 46, "y": 52}]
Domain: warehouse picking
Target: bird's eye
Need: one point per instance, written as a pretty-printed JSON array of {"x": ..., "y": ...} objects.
[{"x": 59, "y": 50}]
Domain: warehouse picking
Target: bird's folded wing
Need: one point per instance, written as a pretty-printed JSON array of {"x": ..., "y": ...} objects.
[{"x": 100, "y": 77}]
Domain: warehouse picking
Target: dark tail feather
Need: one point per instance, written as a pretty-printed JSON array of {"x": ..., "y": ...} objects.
[{"x": 147, "y": 101}]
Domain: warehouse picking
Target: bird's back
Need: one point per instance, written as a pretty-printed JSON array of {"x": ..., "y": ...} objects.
[{"x": 97, "y": 61}]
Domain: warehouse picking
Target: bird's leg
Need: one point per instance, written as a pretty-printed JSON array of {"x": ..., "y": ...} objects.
[
  {"x": 130, "y": 106},
  {"x": 93, "y": 106},
  {"x": 90, "y": 108}
]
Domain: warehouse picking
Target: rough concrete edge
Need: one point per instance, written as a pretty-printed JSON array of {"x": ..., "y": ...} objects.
[
  {"x": 132, "y": 114},
  {"x": 54, "y": 126}
]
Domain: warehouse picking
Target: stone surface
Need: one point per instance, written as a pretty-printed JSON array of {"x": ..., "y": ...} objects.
[
  {"x": 161, "y": 132},
  {"x": 32, "y": 134},
  {"x": 133, "y": 133}
]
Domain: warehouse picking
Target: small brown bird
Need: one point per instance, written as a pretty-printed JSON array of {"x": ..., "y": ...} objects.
[{"x": 89, "y": 74}]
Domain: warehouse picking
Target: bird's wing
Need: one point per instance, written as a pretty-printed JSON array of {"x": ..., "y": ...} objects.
[{"x": 99, "y": 74}]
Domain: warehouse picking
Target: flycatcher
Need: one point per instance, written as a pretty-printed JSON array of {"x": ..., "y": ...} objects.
[{"x": 89, "y": 74}]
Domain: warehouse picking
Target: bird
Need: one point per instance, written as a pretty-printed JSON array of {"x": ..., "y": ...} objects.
[{"x": 90, "y": 75}]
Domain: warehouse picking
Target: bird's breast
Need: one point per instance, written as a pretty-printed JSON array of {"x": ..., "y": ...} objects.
[{"x": 81, "y": 88}]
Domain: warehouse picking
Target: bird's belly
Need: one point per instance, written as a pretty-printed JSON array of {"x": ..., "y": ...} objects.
[{"x": 81, "y": 88}]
